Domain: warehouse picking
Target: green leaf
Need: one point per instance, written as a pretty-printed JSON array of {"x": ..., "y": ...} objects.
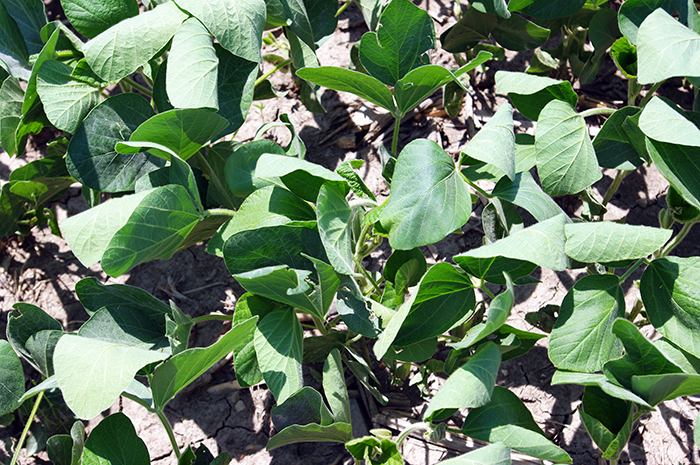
[
  {"x": 405, "y": 32},
  {"x": 499, "y": 311},
  {"x": 183, "y": 131},
  {"x": 20, "y": 327},
  {"x": 582, "y": 338},
  {"x": 304, "y": 407},
  {"x": 241, "y": 161},
  {"x": 659, "y": 388},
  {"x": 678, "y": 164},
  {"x": 337, "y": 432},
  {"x": 624, "y": 55},
  {"x": 666, "y": 49},
  {"x": 606, "y": 241},
  {"x": 41, "y": 345},
  {"x": 428, "y": 198},
  {"x": 66, "y": 100},
  {"x": 92, "y": 373},
  {"x": 495, "y": 143},
  {"x": 278, "y": 344},
  {"x": 608, "y": 420},
  {"x": 542, "y": 244},
  {"x": 11, "y": 97},
  {"x": 670, "y": 294},
  {"x": 599, "y": 380},
  {"x": 92, "y": 158},
  {"x": 365, "y": 376},
  {"x": 546, "y": 9},
  {"x": 493, "y": 454},
  {"x": 236, "y": 84},
  {"x": 530, "y": 94},
  {"x": 92, "y": 18},
  {"x": 354, "y": 311},
  {"x": 443, "y": 291},
  {"x": 114, "y": 442},
  {"x": 641, "y": 357},
  {"x": 345, "y": 80},
  {"x": 172, "y": 376},
  {"x": 473, "y": 27},
  {"x": 112, "y": 54},
  {"x": 88, "y": 233},
  {"x": 95, "y": 295},
  {"x": 506, "y": 419},
  {"x": 471, "y": 385},
  {"x": 494, "y": 7},
  {"x": 491, "y": 269},
  {"x": 192, "y": 68},
  {"x": 335, "y": 388},
  {"x": 524, "y": 192},
  {"x": 519, "y": 34},
  {"x": 612, "y": 144},
  {"x": 155, "y": 229},
  {"x": 30, "y": 17},
  {"x": 633, "y": 12},
  {"x": 14, "y": 56},
  {"x": 11, "y": 378},
  {"x": 334, "y": 213},
  {"x": 318, "y": 348},
  {"x": 566, "y": 161},
  {"x": 238, "y": 26},
  {"x": 662, "y": 121},
  {"x": 388, "y": 336},
  {"x": 311, "y": 20}
]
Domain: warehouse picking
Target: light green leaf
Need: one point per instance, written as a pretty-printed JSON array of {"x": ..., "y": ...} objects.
[
  {"x": 428, "y": 197},
  {"x": 582, "y": 338},
  {"x": 92, "y": 373},
  {"x": 278, "y": 344},
  {"x": 334, "y": 214},
  {"x": 530, "y": 94},
  {"x": 495, "y": 143},
  {"x": 236, "y": 25},
  {"x": 542, "y": 244},
  {"x": 345, "y": 80},
  {"x": 599, "y": 380},
  {"x": 172, "y": 376},
  {"x": 608, "y": 242},
  {"x": 91, "y": 18},
  {"x": 114, "y": 442},
  {"x": 11, "y": 378},
  {"x": 566, "y": 161},
  {"x": 405, "y": 32},
  {"x": 678, "y": 164},
  {"x": 337, "y": 432},
  {"x": 129, "y": 44},
  {"x": 493, "y": 454},
  {"x": 155, "y": 229},
  {"x": 471, "y": 385},
  {"x": 671, "y": 298},
  {"x": 546, "y": 9},
  {"x": 633, "y": 12},
  {"x": 92, "y": 158},
  {"x": 524, "y": 192},
  {"x": 506, "y": 419},
  {"x": 88, "y": 233},
  {"x": 664, "y": 122},
  {"x": 192, "y": 68},
  {"x": 666, "y": 48},
  {"x": 66, "y": 100}
]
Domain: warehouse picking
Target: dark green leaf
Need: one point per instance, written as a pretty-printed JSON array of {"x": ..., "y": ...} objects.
[
  {"x": 11, "y": 378},
  {"x": 599, "y": 380},
  {"x": 524, "y": 192},
  {"x": 678, "y": 164},
  {"x": 334, "y": 214},
  {"x": 624, "y": 55},
  {"x": 30, "y": 320},
  {"x": 114, "y": 442},
  {"x": 491, "y": 269},
  {"x": 14, "y": 57},
  {"x": 472, "y": 28},
  {"x": 11, "y": 98},
  {"x": 608, "y": 420},
  {"x": 612, "y": 145},
  {"x": 318, "y": 348},
  {"x": 335, "y": 389},
  {"x": 303, "y": 407},
  {"x": 337, "y": 432},
  {"x": 92, "y": 18},
  {"x": 41, "y": 345},
  {"x": 519, "y": 34},
  {"x": 546, "y": 9},
  {"x": 494, "y": 7},
  {"x": 236, "y": 84},
  {"x": 354, "y": 311}
]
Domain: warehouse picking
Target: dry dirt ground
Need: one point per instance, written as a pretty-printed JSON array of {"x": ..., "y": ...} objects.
[{"x": 42, "y": 270}]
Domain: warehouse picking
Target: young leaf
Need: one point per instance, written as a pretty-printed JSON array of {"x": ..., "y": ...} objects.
[
  {"x": 237, "y": 25},
  {"x": 335, "y": 388},
  {"x": 172, "y": 376},
  {"x": 93, "y": 18},
  {"x": 193, "y": 66},
  {"x": 443, "y": 291},
  {"x": 530, "y": 94},
  {"x": 428, "y": 197},
  {"x": 671, "y": 297},
  {"x": 493, "y": 454},
  {"x": 495, "y": 143},
  {"x": 524, "y": 192},
  {"x": 11, "y": 378},
  {"x": 566, "y": 161},
  {"x": 112, "y": 54},
  {"x": 608, "y": 242},
  {"x": 92, "y": 373},
  {"x": 66, "y": 100},
  {"x": 334, "y": 213},
  {"x": 546, "y": 9},
  {"x": 345, "y": 80},
  {"x": 92, "y": 158},
  {"x": 633, "y": 12},
  {"x": 471, "y": 385},
  {"x": 337, "y": 432},
  {"x": 278, "y": 344},
  {"x": 612, "y": 144},
  {"x": 114, "y": 442},
  {"x": 582, "y": 338},
  {"x": 506, "y": 419},
  {"x": 666, "y": 49},
  {"x": 405, "y": 32}
]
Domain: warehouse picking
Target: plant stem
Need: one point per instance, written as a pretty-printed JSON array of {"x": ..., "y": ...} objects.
[
  {"x": 622, "y": 174},
  {"x": 342, "y": 8},
  {"x": 169, "y": 430},
  {"x": 636, "y": 309},
  {"x": 409, "y": 430},
  {"x": 138, "y": 86},
  {"x": 320, "y": 325},
  {"x": 276, "y": 68},
  {"x": 20, "y": 444},
  {"x": 597, "y": 111},
  {"x": 631, "y": 269},
  {"x": 488, "y": 293},
  {"x": 650, "y": 94},
  {"x": 676, "y": 240},
  {"x": 395, "y": 140},
  {"x": 212, "y": 317}
]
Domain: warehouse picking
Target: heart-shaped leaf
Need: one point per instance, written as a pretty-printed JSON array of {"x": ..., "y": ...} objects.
[{"x": 114, "y": 442}]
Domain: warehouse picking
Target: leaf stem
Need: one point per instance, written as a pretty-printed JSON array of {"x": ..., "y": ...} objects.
[
  {"x": 342, "y": 8},
  {"x": 279, "y": 66},
  {"x": 395, "y": 139},
  {"x": 597, "y": 111},
  {"x": 137, "y": 86},
  {"x": 206, "y": 168},
  {"x": 409, "y": 430},
  {"x": 631, "y": 269},
  {"x": 675, "y": 241},
  {"x": 477, "y": 188},
  {"x": 27, "y": 425},
  {"x": 320, "y": 325},
  {"x": 169, "y": 430},
  {"x": 212, "y": 317},
  {"x": 622, "y": 174},
  {"x": 486, "y": 291},
  {"x": 650, "y": 94},
  {"x": 636, "y": 309}
]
